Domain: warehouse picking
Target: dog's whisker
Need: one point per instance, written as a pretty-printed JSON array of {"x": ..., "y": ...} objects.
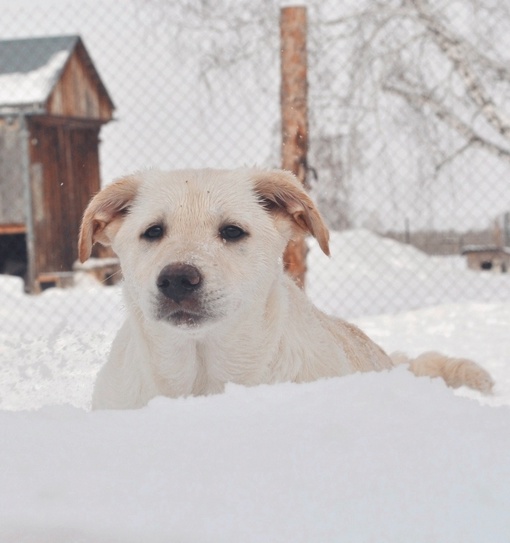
[{"x": 108, "y": 278}]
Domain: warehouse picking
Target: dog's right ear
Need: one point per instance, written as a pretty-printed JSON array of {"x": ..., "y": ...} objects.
[
  {"x": 280, "y": 191},
  {"x": 101, "y": 219}
]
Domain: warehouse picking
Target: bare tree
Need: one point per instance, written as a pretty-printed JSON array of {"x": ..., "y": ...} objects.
[
  {"x": 400, "y": 90},
  {"x": 444, "y": 65},
  {"x": 221, "y": 36}
]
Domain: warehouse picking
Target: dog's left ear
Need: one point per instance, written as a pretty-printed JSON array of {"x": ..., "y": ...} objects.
[
  {"x": 104, "y": 214},
  {"x": 280, "y": 191}
]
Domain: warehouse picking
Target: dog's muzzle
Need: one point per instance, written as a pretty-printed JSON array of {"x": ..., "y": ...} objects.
[{"x": 179, "y": 286}]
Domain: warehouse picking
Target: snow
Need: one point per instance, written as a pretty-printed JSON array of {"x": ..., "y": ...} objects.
[
  {"x": 32, "y": 87},
  {"x": 372, "y": 275},
  {"x": 382, "y": 457},
  {"x": 366, "y": 458}
]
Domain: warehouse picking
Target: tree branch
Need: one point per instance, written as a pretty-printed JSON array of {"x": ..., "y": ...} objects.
[
  {"x": 419, "y": 101},
  {"x": 452, "y": 156},
  {"x": 458, "y": 53}
]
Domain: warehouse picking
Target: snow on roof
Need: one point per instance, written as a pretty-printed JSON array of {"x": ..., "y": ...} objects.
[
  {"x": 485, "y": 248},
  {"x": 29, "y": 69}
]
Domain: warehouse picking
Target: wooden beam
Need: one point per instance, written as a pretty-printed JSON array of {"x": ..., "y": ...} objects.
[
  {"x": 294, "y": 112},
  {"x": 10, "y": 229},
  {"x": 70, "y": 122}
]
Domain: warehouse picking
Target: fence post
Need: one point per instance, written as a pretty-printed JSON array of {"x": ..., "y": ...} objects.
[{"x": 294, "y": 83}]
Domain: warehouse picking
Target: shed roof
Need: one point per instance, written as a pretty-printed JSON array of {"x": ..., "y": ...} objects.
[
  {"x": 496, "y": 249},
  {"x": 30, "y": 69}
]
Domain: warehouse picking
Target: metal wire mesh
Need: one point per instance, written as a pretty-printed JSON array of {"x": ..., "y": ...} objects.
[{"x": 408, "y": 134}]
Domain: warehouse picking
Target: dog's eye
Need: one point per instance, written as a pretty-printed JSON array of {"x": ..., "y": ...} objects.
[
  {"x": 153, "y": 233},
  {"x": 232, "y": 233}
]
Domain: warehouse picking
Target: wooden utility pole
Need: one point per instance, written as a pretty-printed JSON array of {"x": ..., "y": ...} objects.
[{"x": 294, "y": 113}]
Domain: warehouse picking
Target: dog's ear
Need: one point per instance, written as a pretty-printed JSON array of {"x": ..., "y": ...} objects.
[
  {"x": 281, "y": 192},
  {"x": 101, "y": 218}
]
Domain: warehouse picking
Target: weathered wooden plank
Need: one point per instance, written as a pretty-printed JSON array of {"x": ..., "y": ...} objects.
[
  {"x": 78, "y": 93},
  {"x": 64, "y": 176},
  {"x": 10, "y": 229},
  {"x": 12, "y": 203}
]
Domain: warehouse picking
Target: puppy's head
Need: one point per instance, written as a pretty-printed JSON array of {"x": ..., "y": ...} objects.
[{"x": 197, "y": 246}]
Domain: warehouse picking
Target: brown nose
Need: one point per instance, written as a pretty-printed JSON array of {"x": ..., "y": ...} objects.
[{"x": 179, "y": 281}]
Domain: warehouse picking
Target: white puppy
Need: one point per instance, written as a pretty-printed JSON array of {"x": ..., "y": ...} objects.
[{"x": 207, "y": 298}]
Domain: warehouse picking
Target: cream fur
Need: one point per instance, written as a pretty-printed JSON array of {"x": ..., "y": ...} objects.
[{"x": 248, "y": 323}]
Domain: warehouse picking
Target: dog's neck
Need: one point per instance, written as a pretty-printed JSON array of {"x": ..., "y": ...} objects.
[{"x": 242, "y": 348}]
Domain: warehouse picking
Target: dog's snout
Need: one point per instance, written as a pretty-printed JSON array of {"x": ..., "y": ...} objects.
[{"x": 179, "y": 281}]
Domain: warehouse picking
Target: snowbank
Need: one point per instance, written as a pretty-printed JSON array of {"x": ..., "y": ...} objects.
[
  {"x": 378, "y": 457},
  {"x": 370, "y": 275}
]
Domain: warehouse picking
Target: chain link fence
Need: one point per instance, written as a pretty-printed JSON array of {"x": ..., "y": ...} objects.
[{"x": 409, "y": 132}]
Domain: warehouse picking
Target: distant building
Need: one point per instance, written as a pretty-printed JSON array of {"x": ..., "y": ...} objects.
[
  {"x": 487, "y": 257},
  {"x": 52, "y": 107}
]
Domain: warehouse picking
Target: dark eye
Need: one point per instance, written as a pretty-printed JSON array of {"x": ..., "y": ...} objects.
[
  {"x": 232, "y": 233},
  {"x": 154, "y": 232}
]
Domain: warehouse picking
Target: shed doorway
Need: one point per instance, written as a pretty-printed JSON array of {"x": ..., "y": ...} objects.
[{"x": 13, "y": 254}]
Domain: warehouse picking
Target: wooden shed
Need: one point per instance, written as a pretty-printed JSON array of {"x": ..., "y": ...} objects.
[
  {"x": 487, "y": 258},
  {"x": 52, "y": 106}
]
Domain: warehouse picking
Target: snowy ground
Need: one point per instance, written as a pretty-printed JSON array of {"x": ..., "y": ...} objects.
[{"x": 367, "y": 458}]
